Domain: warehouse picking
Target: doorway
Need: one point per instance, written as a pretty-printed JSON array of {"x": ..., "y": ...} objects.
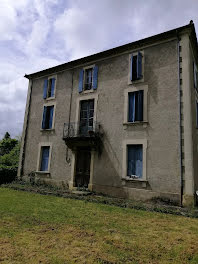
[{"x": 83, "y": 161}]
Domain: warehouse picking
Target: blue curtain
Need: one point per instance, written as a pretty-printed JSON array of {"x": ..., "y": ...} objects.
[
  {"x": 51, "y": 109},
  {"x": 44, "y": 117},
  {"x": 95, "y": 77},
  {"x": 135, "y": 160},
  {"x": 81, "y": 77},
  {"x": 135, "y": 111},
  {"x": 131, "y": 110},
  {"x": 45, "y": 159}
]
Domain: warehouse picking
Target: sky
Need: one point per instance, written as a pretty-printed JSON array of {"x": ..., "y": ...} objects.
[{"x": 38, "y": 34}]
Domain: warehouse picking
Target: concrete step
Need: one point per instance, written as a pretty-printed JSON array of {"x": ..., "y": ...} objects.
[{"x": 83, "y": 193}]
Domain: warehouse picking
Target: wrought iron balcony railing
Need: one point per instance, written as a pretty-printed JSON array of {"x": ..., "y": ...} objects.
[{"x": 81, "y": 129}]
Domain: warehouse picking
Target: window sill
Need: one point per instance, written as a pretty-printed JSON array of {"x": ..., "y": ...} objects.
[
  {"x": 88, "y": 91},
  {"x": 136, "y": 81},
  {"x": 133, "y": 179},
  {"x": 143, "y": 182},
  {"x": 137, "y": 123},
  {"x": 43, "y": 173},
  {"x": 50, "y": 98},
  {"x": 47, "y": 130}
]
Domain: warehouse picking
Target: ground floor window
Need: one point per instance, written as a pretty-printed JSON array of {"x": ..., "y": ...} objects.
[
  {"x": 45, "y": 150},
  {"x": 134, "y": 158}
]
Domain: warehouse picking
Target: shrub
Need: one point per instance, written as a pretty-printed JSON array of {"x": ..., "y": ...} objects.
[
  {"x": 9, "y": 158},
  {"x": 7, "y": 174}
]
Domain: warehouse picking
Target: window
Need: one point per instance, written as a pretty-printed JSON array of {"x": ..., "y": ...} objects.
[
  {"x": 88, "y": 79},
  {"x": 135, "y": 106},
  {"x": 86, "y": 116},
  {"x": 45, "y": 150},
  {"x": 48, "y": 113},
  {"x": 49, "y": 88},
  {"x": 134, "y": 161},
  {"x": 136, "y": 66}
]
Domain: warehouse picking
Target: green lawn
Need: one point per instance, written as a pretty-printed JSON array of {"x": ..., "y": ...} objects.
[{"x": 47, "y": 229}]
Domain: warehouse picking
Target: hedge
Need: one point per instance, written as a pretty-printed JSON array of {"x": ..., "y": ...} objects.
[{"x": 7, "y": 174}]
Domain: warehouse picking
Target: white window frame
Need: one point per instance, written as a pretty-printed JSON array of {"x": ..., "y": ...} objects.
[
  {"x": 135, "y": 53},
  {"x": 53, "y": 122},
  {"x": 131, "y": 89},
  {"x": 142, "y": 142},
  {"x": 44, "y": 144}
]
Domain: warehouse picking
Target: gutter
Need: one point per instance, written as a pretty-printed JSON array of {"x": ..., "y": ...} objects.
[
  {"x": 68, "y": 160},
  {"x": 180, "y": 131}
]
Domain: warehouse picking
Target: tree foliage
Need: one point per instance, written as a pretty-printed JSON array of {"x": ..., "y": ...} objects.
[
  {"x": 7, "y": 144},
  {"x": 9, "y": 158}
]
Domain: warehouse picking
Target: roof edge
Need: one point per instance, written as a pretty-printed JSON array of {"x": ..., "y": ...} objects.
[{"x": 113, "y": 51}]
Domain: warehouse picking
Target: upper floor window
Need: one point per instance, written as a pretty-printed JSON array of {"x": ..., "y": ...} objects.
[
  {"x": 136, "y": 67},
  {"x": 48, "y": 113},
  {"x": 135, "y": 106},
  {"x": 88, "y": 79},
  {"x": 49, "y": 88}
]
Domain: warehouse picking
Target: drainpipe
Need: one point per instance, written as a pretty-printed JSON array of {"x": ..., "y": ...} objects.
[
  {"x": 180, "y": 131},
  {"x": 68, "y": 160}
]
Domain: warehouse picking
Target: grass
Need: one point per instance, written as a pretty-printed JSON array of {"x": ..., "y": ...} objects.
[{"x": 47, "y": 229}]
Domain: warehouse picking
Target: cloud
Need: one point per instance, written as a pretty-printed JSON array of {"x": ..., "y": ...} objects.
[
  {"x": 87, "y": 27},
  {"x": 36, "y": 34}
]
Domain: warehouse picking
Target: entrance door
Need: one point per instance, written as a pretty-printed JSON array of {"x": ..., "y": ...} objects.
[
  {"x": 86, "y": 116},
  {"x": 83, "y": 168}
]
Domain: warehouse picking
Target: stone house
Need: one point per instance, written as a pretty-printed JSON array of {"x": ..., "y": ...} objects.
[{"x": 122, "y": 122}]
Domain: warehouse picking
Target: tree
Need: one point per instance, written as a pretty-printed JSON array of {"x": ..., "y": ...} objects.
[
  {"x": 7, "y": 144},
  {"x": 7, "y": 135},
  {"x": 9, "y": 158}
]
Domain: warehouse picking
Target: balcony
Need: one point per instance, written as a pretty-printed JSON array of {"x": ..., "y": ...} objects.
[{"x": 81, "y": 134}]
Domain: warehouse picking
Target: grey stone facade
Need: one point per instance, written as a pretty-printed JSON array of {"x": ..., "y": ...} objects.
[{"x": 169, "y": 145}]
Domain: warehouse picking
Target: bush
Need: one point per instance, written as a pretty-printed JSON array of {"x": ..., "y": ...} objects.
[
  {"x": 7, "y": 174},
  {"x": 9, "y": 158},
  {"x": 6, "y": 145}
]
